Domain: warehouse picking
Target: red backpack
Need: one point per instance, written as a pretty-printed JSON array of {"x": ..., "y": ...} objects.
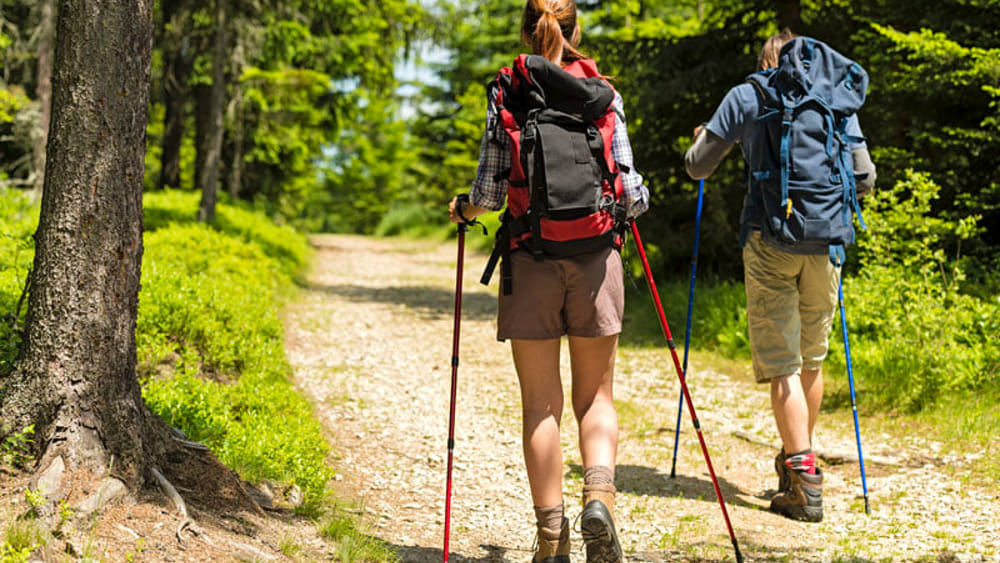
[{"x": 564, "y": 190}]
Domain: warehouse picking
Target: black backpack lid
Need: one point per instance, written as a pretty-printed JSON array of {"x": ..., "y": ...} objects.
[{"x": 588, "y": 98}]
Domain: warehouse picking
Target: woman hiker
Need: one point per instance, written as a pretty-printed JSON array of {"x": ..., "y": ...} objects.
[
  {"x": 791, "y": 288},
  {"x": 562, "y": 268}
]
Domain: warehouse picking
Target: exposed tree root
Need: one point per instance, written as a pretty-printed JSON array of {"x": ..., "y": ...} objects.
[{"x": 172, "y": 494}]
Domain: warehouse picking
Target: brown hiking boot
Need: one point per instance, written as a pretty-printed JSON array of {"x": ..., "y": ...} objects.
[
  {"x": 784, "y": 480},
  {"x": 597, "y": 524},
  {"x": 803, "y": 500},
  {"x": 552, "y": 546}
]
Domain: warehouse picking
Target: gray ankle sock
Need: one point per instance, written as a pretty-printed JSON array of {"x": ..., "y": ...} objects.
[
  {"x": 550, "y": 517},
  {"x": 598, "y": 475}
]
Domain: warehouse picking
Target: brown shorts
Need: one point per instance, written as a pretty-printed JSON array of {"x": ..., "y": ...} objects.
[
  {"x": 791, "y": 299},
  {"x": 579, "y": 296}
]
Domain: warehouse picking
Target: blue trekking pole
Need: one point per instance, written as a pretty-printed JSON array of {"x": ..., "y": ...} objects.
[
  {"x": 687, "y": 333},
  {"x": 850, "y": 379}
]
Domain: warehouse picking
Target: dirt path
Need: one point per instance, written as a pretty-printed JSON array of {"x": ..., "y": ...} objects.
[{"x": 370, "y": 342}]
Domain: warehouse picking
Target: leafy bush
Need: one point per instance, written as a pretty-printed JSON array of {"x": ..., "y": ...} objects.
[
  {"x": 17, "y": 247},
  {"x": 718, "y": 322},
  {"x": 208, "y": 314},
  {"x": 914, "y": 330},
  {"x": 210, "y": 344},
  {"x": 413, "y": 219},
  {"x": 281, "y": 242}
]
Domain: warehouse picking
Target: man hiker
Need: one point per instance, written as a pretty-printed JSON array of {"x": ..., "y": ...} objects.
[{"x": 795, "y": 224}]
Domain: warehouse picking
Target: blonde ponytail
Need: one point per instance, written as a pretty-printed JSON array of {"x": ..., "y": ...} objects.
[{"x": 550, "y": 27}]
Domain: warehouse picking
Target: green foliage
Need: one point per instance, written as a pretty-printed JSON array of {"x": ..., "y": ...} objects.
[
  {"x": 21, "y": 537},
  {"x": 321, "y": 81},
  {"x": 20, "y": 219},
  {"x": 239, "y": 221},
  {"x": 718, "y": 321},
  {"x": 209, "y": 339},
  {"x": 914, "y": 334},
  {"x": 368, "y": 172},
  {"x": 290, "y": 122},
  {"x": 202, "y": 291},
  {"x": 15, "y": 450},
  {"x": 208, "y": 319},
  {"x": 935, "y": 102},
  {"x": 413, "y": 220}
]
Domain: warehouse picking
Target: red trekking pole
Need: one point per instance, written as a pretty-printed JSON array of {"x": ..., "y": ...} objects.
[
  {"x": 462, "y": 227},
  {"x": 684, "y": 387}
]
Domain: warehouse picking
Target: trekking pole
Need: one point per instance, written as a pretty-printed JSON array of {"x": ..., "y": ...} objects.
[
  {"x": 850, "y": 379},
  {"x": 462, "y": 227},
  {"x": 687, "y": 333},
  {"x": 684, "y": 387}
]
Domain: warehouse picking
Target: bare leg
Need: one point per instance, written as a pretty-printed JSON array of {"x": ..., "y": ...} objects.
[
  {"x": 791, "y": 412},
  {"x": 593, "y": 364},
  {"x": 812, "y": 387},
  {"x": 537, "y": 365}
]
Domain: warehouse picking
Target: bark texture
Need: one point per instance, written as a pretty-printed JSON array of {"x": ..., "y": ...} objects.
[{"x": 75, "y": 377}]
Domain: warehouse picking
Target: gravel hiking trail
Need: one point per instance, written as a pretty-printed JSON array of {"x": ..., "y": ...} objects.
[{"x": 370, "y": 340}]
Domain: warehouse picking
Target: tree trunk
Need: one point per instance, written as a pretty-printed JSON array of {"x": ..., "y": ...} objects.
[
  {"x": 175, "y": 73},
  {"x": 213, "y": 142},
  {"x": 46, "y": 37},
  {"x": 790, "y": 14},
  {"x": 202, "y": 117},
  {"x": 236, "y": 168},
  {"x": 75, "y": 377}
]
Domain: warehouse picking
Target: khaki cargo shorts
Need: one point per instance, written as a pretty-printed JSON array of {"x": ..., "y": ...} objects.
[
  {"x": 791, "y": 300},
  {"x": 579, "y": 296}
]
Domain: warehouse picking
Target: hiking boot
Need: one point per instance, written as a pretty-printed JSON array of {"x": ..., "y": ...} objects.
[
  {"x": 803, "y": 500},
  {"x": 597, "y": 524},
  {"x": 784, "y": 480},
  {"x": 552, "y": 546}
]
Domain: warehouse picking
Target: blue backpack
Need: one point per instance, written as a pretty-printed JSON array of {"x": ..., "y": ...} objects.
[{"x": 802, "y": 186}]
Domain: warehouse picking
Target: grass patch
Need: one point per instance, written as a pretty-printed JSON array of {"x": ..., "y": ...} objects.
[
  {"x": 353, "y": 544},
  {"x": 20, "y": 538}
]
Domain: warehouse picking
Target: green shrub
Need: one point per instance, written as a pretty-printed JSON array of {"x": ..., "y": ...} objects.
[
  {"x": 718, "y": 321},
  {"x": 915, "y": 333},
  {"x": 281, "y": 242},
  {"x": 210, "y": 299},
  {"x": 19, "y": 213},
  {"x": 420, "y": 221},
  {"x": 208, "y": 313}
]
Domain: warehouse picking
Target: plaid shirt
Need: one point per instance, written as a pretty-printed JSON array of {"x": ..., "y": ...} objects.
[{"x": 490, "y": 192}]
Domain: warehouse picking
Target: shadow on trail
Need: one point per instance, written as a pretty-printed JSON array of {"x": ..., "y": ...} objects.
[
  {"x": 651, "y": 481},
  {"x": 430, "y": 302},
  {"x": 418, "y": 554},
  {"x": 682, "y": 551}
]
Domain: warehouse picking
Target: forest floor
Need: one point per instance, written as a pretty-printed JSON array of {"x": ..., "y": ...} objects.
[{"x": 370, "y": 341}]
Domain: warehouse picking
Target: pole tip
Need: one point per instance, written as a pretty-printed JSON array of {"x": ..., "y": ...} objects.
[
  {"x": 739, "y": 556},
  {"x": 868, "y": 509}
]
